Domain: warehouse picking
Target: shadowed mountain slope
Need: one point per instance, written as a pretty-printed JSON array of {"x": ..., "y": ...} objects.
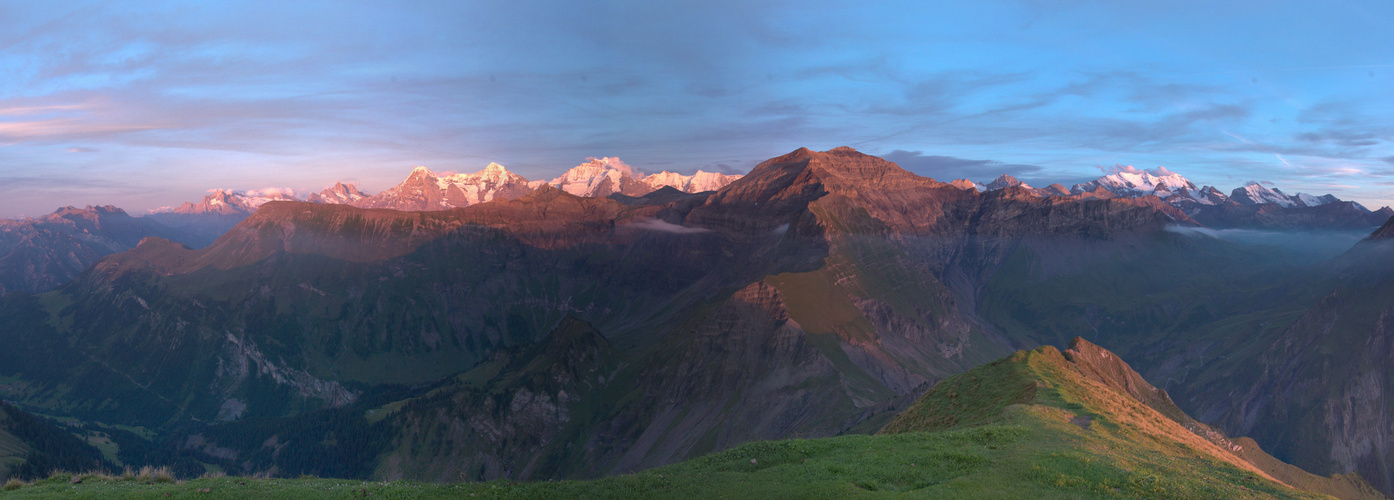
[
  {"x": 813, "y": 297},
  {"x": 39, "y": 254}
]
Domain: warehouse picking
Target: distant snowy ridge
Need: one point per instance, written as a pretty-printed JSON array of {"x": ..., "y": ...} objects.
[
  {"x": 426, "y": 190},
  {"x": 1255, "y": 193},
  {"x": 229, "y": 201},
  {"x": 1131, "y": 182},
  {"x": 695, "y": 183},
  {"x": 597, "y": 177}
]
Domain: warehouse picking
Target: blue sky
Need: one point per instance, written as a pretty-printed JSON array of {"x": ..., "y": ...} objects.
[{"x": 147, "y": 104}]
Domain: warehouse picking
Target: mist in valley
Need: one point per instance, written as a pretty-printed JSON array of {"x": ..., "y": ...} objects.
[{"x": 1304, "y": 247}]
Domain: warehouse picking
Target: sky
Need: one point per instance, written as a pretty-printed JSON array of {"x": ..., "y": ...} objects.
[{"x": 148, "y": 104}]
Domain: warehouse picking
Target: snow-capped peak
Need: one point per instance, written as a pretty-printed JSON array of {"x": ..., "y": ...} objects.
[
  {"x": 338, "y": 194},
  {"x": 258, "y": 197},
  {"x": 427, "y": 190},
  {"x": 492, "y": 172},
  {"x": 229, "y": 201},
  {"x": 695, "y": 183},
  {"x": 1130, "y": 181},
  {"x": 1005, "y": 181},
  {"x": 596, "y": 177},
  {"x": 966, "y": 184},
  {"x": 1308, "y": 200},
  {"x": 479, "y": 183},
  {"x": 1255, "y": 194}
]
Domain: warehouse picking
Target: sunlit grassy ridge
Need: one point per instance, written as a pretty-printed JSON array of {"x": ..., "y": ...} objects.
[{"x": 1028, "y": 426}]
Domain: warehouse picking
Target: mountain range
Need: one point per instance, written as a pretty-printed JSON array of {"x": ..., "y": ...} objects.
[
  {"x": 544, "y": 335},
  {"x": 423, "y": 189},
  {"x": 1253, "y": 206}
]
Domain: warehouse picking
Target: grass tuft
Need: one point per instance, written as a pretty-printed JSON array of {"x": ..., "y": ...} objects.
[{"x": 156, "y": 474}]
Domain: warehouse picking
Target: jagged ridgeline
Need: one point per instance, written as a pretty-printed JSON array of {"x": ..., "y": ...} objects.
[{"x": 553, "y": 336}]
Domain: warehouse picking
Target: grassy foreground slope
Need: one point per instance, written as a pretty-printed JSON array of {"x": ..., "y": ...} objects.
[{"x": 1038, "y": 424}]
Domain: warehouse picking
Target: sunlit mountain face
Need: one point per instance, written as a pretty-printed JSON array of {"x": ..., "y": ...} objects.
[{"x": 996, "y": 249}]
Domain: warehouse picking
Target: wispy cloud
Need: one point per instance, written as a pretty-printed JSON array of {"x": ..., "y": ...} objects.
[
  {"x": 948, "y": 168},
  {"x": 187, "y": 96},
  {"x": 651, "y": 224}
]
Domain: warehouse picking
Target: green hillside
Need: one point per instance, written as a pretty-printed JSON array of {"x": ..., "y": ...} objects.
[{"x": 1038, "y": 424}]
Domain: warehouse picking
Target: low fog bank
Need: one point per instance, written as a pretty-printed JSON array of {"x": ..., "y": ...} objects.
[{"x": 1304, "y": 246}]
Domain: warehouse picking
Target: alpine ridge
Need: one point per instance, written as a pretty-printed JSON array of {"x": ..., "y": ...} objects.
[
  {"x": 817, "y": 266},
  {"x": 555, "y": 336}
]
